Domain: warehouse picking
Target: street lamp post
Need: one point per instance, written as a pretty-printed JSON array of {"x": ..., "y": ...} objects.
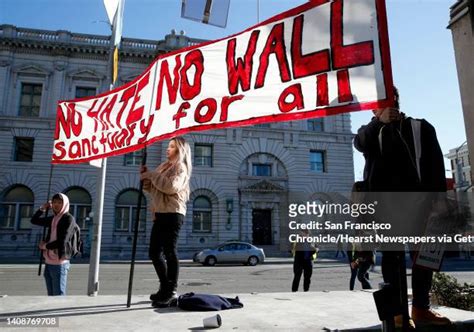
[
  {"x": 229, "y": 207},
  {"x": 90, "y": 232}
]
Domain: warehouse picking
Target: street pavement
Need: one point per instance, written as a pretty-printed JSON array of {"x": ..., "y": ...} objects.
[
  {"x": 273, "y": 276},
  {"x": 263, "y": 289}
]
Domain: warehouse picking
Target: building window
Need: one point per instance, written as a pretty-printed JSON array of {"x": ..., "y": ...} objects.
[
  {"x": 203, "y": 155},
  {"x": 126, "y": 210},
  {"x": 23, "y": 149},
  {"x": 30, "y": 100},
  {"x": 17, "y": 208},
  {"x": 133, "y": 158},
  {"x": 82, "y": 92},
  {"x": 263, "y": 125},
  {"x": 202, "y": 219},
  {"x": 317, "y": 161},
  {"x": 316, "y": 125},
  {"x": 80, "y": 205},
  {"x": 261, "y": 169}
]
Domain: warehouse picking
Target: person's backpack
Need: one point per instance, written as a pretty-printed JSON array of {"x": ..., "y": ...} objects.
[
  {"x": 207, "y": 302},
  {"x": 73, "y": 244}
]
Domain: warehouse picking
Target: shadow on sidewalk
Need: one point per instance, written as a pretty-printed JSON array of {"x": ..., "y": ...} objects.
[{"x": 75, "y": 311}]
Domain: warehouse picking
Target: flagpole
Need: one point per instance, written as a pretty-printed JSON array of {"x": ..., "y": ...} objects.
[
  {"x": 135, "y": 235},
  {"x": 139, "y": 205},
  {"x": 258, "y": 11},
  {"x": 93, "y": 283}
]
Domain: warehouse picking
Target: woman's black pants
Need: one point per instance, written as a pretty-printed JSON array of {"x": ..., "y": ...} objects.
[{"x": 163, "y": 247}]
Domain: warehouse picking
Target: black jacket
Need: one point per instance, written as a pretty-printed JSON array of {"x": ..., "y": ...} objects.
[
  {"x": 61, "y": 234},
  {"x": 363, "y": 255},
  {"x": 393, "y": 167}
]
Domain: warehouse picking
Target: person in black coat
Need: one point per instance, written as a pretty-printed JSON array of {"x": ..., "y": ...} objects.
[
  {"x": 403, "y": 155},
  {"x": 304, "y": 254},
  {"x": 57, "y": 263}
]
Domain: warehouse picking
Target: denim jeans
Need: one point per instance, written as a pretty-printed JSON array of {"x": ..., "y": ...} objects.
[
  {"x": 163, "y": 241},
  {"x": 56, "y": 278}
]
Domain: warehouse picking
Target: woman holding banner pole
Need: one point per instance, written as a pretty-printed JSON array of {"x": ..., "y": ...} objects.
[{"x": 168, "y": 185}]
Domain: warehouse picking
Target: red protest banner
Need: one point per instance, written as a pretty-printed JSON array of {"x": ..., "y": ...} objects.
[{"x": 319, "y": 59}]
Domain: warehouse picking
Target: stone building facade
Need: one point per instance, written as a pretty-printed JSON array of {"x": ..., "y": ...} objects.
[
  {"x": 462, "y": 28},
  {"x": 460, "y": 167},
  {"x": 241, "y": 176}
]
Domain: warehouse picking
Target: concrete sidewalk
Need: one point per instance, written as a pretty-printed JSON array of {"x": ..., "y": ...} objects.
[{"x": 315, "y": 311}]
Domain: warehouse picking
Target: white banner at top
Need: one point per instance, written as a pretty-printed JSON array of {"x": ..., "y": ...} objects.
[{"x": 319, "y": 59}]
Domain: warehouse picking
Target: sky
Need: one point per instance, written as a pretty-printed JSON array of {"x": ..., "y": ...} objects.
[{"x": 422, "y": 52}]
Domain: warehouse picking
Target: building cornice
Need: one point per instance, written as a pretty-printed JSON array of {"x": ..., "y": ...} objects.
[
  {"x": 65, "y": 43},
  {"x": 43, "y": 123},
  {"x": 457, "y": 11}
]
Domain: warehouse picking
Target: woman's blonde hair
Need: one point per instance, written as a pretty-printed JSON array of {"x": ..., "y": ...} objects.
[{"x": 182, "y": 162}]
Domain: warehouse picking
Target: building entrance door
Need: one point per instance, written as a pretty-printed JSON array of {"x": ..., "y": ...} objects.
[{"x": 262, "y": 227}]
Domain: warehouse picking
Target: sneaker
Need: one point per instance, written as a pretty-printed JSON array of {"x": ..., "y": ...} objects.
[
  {"x": 399, "y": 323},
  {"x": 428, "y": 317}
]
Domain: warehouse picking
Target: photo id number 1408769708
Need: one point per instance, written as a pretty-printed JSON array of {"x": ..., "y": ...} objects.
[{"x": 31, "y": 322}]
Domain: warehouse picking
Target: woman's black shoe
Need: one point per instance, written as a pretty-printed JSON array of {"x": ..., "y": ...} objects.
[
  {"x": 170, "y": 301},
  {"x": 158, "y": 296}
]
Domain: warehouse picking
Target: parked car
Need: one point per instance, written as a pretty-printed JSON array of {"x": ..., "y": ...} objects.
[{"x": 231, "y": 252}]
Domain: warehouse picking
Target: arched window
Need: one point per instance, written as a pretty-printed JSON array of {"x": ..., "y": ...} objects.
[
  {"x": 202, "y": 220},
  {"x": 80, "y": 204},
  {"x": 17, "y": 208},
  {"x": 126, "y": 210}
]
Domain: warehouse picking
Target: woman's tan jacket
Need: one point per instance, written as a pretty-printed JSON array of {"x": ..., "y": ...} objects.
[{"x": 169, "y": 192}]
